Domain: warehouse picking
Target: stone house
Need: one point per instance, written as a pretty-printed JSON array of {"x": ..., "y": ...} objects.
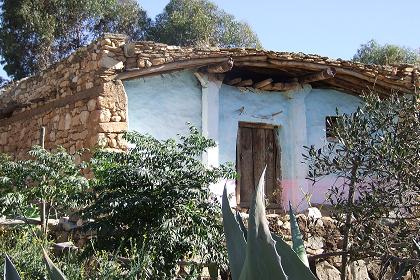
[{"x": 261, "y": 107}]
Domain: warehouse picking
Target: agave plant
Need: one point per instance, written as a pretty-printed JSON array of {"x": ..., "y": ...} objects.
[
  {"x": 10, "y": 272},
  {"x": 257, "y": 253}
]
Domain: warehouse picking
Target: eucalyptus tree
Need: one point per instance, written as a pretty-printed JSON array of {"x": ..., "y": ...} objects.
[
  {"x": 34, "y": 33},
  {"x": 374, "y": 53},
  {"x": 201, "y": 22}
]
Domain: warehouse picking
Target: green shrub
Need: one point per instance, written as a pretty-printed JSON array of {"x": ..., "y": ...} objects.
[
  {"x": 25, "y": 251},
  {"x": 157, "y": 194},
  {"x": 52, "y": 177}
]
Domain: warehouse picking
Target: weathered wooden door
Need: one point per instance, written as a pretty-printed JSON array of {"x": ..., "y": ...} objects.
[{"x": 257, "y": 147}]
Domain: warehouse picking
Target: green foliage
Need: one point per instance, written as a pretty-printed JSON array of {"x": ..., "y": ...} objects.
[
  {"x": 201, "y": 22},
  {"x": 125, "y": 17},
  {"x": 264, "y": 255},
  {"x": 52, "y": 177},
  {"x": 158, "y": 195},
  {"x": 34, "y": 34},
  {"x": 25, "y": 250},
  {"x": 376, "y": 162},
  {"x": 374, "y": 53}
]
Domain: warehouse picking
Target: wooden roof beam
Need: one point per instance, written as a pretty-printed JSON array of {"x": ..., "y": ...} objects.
[
  {"x": 319, "y": 76},
  {"x": 218, "y": 68}
]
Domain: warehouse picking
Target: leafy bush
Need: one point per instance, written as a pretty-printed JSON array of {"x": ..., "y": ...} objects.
[
  {"x": 52, "y": 177},
  {"x": 157, "y": 194},
  {"x": 376, "y": 161}
]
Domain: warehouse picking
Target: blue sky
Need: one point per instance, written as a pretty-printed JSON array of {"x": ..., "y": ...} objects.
[{"x": 333, "y": 28}]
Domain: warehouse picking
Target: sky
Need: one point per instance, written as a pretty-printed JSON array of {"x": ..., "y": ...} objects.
[{"x": 333, "y": 28}]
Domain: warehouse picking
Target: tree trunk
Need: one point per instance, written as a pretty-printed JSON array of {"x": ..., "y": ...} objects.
[
  {"x": 347, "y": 225},
  {"x": 44, "y": 221}
]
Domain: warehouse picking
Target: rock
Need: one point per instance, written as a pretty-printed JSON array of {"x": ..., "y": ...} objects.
[
  {"x": 91, "y": 105},
  {"x": 286, "y": 225},
  {"x": 110, "y": 63},
  {"x": 141, "y": 63},
  {"x": 116, "y": 118},
  {"x": 60, "y": 247},
  {"x": 67, "y": 121},
  {"x": 112, "y": 127},
  {"x": 68, "y": 226},
  {"x": 357, "y": 270},
  {"x": 314, "y": 213},
  {"x": 326, "y": 271},
  {"x": 101, "y": 116},
  {"x": 148, "y": 63},
  {"x": 3, "y": 138},
  {"x": 315, "y": 242},
  {"x": 158, "y": 61},
  {"x": 84, "y": 116}
]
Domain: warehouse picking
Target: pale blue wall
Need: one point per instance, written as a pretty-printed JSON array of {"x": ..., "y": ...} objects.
[
  {"x": 161, "y": 105},
  {"x": 321, "y": 103},
  {"x": 301, "y": 123},
  {"x": 257, "y": 107}
]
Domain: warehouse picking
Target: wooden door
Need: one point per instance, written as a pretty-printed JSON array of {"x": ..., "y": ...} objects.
[{"x": 257, "y": 147}]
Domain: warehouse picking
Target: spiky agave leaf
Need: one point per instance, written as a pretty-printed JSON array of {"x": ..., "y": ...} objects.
[
  {"x": 10, "y": 272},
  {"x": 241, "y": 224},
  {"x": 297, "y": 240},
  {"x": 235, "y": 241},
  {"x": 53, "y": 271},
  {"x": 262, "y": 260},
  {"x": 293, "y": 266},
  {"x": 417, "y": 247}
]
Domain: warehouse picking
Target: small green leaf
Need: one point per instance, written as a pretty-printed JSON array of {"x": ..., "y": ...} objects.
[
  {"x": 53, "y": 271},
  {"x": 298, "y": 245},
  {"x": 10, "y": 272}
]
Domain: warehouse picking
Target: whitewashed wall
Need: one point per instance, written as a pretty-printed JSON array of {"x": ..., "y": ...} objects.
[
  {"x": 301, "y": 123},
  {"x": 161, "y": 105},
  {"x": 321, "y": 103}
]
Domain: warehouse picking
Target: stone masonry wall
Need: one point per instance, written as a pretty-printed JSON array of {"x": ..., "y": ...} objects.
[{"x": 76, "y": 100}]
